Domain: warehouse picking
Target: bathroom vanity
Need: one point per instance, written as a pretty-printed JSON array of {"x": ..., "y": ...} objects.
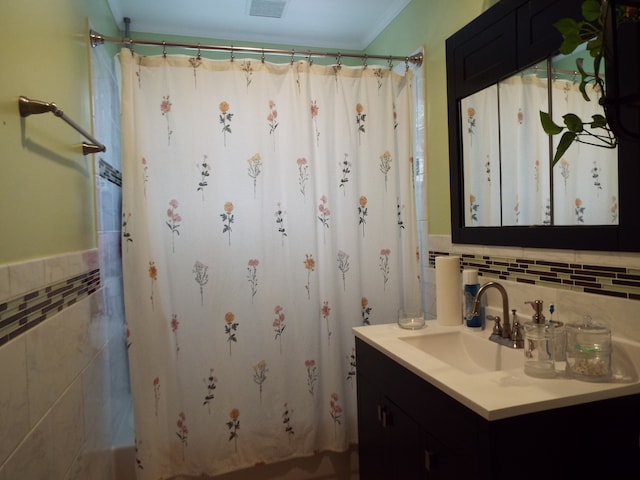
[{"x": 467, "y": 411}]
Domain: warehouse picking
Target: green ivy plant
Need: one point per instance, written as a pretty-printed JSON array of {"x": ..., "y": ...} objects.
[{"x": 589, "y": 31}]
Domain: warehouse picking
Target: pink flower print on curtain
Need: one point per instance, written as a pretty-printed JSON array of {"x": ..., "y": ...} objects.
[
  {"x": 335, "y": 410},
  {"x": 201, "y": 277},
  {"x": 174, "y": 328},
  {"x": 165, "y": 109},
  {"x": 230, "y": 329},
  {"x": 365, "y": 310},
  {"x": 362, "y": 212},
  {"x": 205, "y": 168},
  {"x": 272, "y": 118},
  {"x": 225, "y": 120},
  {"x": 260, "y": 375},
  {"x": 153, "y": 275},
  {"x": 312, "y": 375},
  {"x": 346, "y": 170},
  {"x": 303, "y": 175},
  {"x": 234, "y": 425},
  {"x": 309, "y": 265},
  {"x": 326, "y": 311},
  {"x": 255, "y": 164},
  {"x": 279, "y": 324},
  {"x": 183, "y": 431},
  {"x": 280, "y": 222},
  {"x": 314, "y": 115},
  {"x": 174, "y": 222},
  {"x": 227, "y": 219},
  {"x": 343, "y": 266},
  {"x": 286, "y": 421},
  {"x": 252, "y": 277},
  {"x": 156, "y": 394},
  {"x": 324, "y": 216},
  {"x": 360, "y": 121},
  {"x": 385, "y": 166},
  {"x": 384, "y": 265},
  {"x": 211, "y": 383}
]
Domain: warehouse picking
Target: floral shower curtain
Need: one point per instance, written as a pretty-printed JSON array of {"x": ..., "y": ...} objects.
[
  {"x": 267, "y": 210},
  {"x": 507, "y": 168}
]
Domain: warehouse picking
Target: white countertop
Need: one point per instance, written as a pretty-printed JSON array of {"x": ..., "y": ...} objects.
[{"x": 505, "y": 393}]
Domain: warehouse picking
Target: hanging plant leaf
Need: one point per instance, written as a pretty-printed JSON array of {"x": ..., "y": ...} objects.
[
  {"x": 573, "y": 122},
  {"x": 599, "y": 121},
  {"x": 565, "y": 142},
  {"x": 591, "y": 10},
  {"x": 549, "y": 125}
]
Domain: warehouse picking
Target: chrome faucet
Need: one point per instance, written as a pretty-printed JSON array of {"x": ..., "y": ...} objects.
[{"x": 507, "y": 337}]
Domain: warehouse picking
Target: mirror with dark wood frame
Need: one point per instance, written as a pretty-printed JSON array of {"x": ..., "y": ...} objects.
[{"x": 508, "y": 38}]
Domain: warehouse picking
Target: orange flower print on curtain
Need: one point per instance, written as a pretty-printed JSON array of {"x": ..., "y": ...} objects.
[
  {"x": 174, "y": 328},
  {"x": 230, "y": 329},
  {"x": 227, "y": 219},
  {"x": 174, "y": 222},
  {"x": 471, "y": 123},
  {"x": 362, "y": 212},
  {"x": 234, "y": 425},
  {"x": 365, "y": 310},
  {"x": 225, "y": 120},
  {"x": 473, "y": 208},
  {"x": 360, "y": 121},
  {"x": 309, "y": 265},
  {"x": 165, "y": 109},
  {"x": 272, "y": 118},
  {"x": 314, "y": 115},
  {"x": 579, "y": 210}
]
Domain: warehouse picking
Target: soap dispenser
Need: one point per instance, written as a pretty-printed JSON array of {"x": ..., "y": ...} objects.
[{"x": 539, "y": 345}]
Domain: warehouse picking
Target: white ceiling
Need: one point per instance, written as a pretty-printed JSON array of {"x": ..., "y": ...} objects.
[{"x": 338, "y": 24}]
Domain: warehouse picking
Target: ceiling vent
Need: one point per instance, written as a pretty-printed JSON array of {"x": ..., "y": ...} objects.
[{"x": 267, "y": 8}]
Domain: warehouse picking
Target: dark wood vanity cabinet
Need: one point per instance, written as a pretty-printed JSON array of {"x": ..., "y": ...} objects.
[{"x": 408, "y": 429}]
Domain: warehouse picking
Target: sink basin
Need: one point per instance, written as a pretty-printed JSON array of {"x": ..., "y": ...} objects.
[{"x": 467, "y": 352}]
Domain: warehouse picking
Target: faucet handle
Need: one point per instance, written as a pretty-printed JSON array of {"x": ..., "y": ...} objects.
[
  {"x": 538, "y": 316},
  {"x": 497, "y": 327}
]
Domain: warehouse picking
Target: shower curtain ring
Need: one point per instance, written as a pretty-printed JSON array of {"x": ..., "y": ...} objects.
[
  {"x": 164, "y": 49},
  {"x": 366, "y": 61},
  {"x": 390, "y": 63},
  {"x": 292, "y": 52},
  {"x": 309, "y": 59},
  {"x": 199, "y": 53},
  {"x": 339, "y": 59},
  {"x": 406, "y": 64},
  {"x": 262, "y": 58},
  {"x": 232, "y": 55}
]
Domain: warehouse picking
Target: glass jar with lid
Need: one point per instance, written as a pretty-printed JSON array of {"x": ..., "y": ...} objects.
[{"x": 588, "y": 351}]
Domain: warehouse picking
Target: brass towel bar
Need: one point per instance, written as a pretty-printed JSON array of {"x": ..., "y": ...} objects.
[{"x": 28, "y": 107}]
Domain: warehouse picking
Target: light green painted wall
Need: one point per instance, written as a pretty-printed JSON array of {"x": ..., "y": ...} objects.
[
  {"x": 428, "y": 23},
  {"x": 46, "y": 184}
]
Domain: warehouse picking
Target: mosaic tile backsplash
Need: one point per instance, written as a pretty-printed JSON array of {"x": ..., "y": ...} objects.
[
  {"x": 26, "y": 311},
  {"x": 612, "y": 281}
]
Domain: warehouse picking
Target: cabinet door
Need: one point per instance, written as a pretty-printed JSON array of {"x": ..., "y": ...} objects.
[
  {"x": 409, "y": 450},
  {"x": 373, "y": 443}
]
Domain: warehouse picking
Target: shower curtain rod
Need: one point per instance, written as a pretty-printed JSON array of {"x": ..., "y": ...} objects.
[{"x": 98, "y": 39}]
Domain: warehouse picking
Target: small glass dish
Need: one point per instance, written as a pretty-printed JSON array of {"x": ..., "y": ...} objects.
[{"x": 411, "y": 319}]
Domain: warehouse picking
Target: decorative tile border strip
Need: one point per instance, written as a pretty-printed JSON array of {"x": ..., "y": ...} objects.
[
  {"x": 109, "y": 173},
  {"x": 26, "y": 311},
  {"x": 619, "y": 282}
]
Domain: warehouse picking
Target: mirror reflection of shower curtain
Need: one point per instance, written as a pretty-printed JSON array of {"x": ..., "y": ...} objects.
[
  {"x": 506, "y": 159},
  {"x": 267, "y": 209}
]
